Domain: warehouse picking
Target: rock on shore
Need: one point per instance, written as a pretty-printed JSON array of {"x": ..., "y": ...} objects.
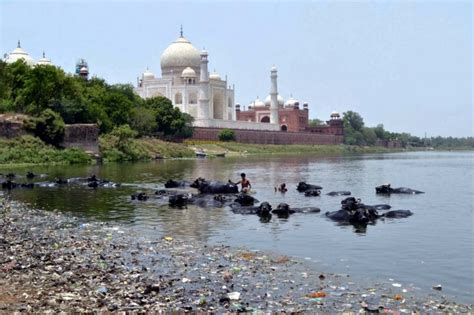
[{"x": 51, "y": 262}]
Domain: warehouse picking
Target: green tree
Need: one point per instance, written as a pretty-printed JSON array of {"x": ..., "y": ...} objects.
[
  {"x": 353, "y": 128},
  {"x": 123, "y": 134},
  {"x": 370, "y": 136},
  {"x": 170, "y": 120},
  {"x": 226, "y": 135},
  {"x": 143, "y": 120},
  {"x": 353, "y": 120},
  {"x": 49, "y": 127}
]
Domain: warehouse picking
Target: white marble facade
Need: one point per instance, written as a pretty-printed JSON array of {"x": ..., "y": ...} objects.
[{"x": 185, "y": 80}]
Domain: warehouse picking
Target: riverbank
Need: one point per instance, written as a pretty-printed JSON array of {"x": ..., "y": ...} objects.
[
  {"x": 238, "y": 149},
  {"x": 55, "y": 263}
]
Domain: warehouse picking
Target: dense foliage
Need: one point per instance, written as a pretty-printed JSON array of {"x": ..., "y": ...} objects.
[
  {"x": 226, "y": 135},
  {"x": 29, "y": 149},
  {"x": 356, "y": 133},
  {"x": 49, "y": 127},
  {"x": 33, "y": 90}
]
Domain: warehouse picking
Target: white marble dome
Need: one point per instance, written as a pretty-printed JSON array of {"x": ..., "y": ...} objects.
[
  {"x": 181, "y": 53},
  {"x": 257, "y": 103},
  {"x": 280, "y": 100},
  {"x": 44, "y": 61},
  {"x": 291, "y": 102},
  {"x": 335, "y": 114},
  {"x": 17, "y": 54},
  {"x": 188, "y": 73},
  {"x": 147, "y": 75},
  {"x": 214, "y": 76}
]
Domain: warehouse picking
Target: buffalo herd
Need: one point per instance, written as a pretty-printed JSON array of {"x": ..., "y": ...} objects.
[{"x": 215, "y": 194}]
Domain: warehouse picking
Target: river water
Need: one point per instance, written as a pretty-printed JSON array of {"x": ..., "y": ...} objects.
[{"x": 434, "y": 246}]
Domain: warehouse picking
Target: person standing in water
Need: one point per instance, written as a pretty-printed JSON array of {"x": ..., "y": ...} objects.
[{"x": 245, "y": 183}]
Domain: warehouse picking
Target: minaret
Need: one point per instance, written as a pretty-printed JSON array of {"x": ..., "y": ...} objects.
[
  {"x": 274, "y": 97},
  {"x": 203, "y": 108}
]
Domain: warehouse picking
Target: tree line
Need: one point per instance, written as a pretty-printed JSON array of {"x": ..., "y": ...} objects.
[
  {"x": 356, "y": 133},
  {"x": 52, "y": 98}
]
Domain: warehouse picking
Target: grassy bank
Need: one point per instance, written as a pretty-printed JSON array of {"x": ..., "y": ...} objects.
[
  {"x": 114, "y": 149},
  {"x": 28, "y": 150},
  {"x": 235, "y": 148}
]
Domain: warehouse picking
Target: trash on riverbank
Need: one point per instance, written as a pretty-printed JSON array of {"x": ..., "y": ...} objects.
[{"x": 54, "y": 263}]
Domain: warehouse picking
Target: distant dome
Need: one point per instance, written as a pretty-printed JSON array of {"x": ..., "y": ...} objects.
[
  {"x": 214, "y": 76},
  {"x": 280, "y": 100},
  {"x": 188, "y": 73},
  {"x": 335, "y": 114},
  {"x": 291, "y": 102},
  {"x": 84, "y": 70},
  {"x": 17, "y": 54},
  {"x": 180, "y": 54},
  {"x": 257, "y": 103},
  {"x": 44, "y": 61},
  {"x": 147, "y": 75}
]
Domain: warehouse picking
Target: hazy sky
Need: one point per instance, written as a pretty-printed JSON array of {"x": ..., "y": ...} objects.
[{"x": 405, "y": 64}]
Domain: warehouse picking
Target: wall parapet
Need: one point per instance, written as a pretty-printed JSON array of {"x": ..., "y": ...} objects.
[
  {"x": 269, "y": 137},
  {"x": 235, "y": 124}
]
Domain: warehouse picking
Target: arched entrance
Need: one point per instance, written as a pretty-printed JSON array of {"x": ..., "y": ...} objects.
[
  {"x": 265, "y": 119},
  {"x": 284, "y": 128}
]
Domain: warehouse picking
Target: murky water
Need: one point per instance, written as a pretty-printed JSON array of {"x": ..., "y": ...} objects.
[{"x": 434, "y": 246}]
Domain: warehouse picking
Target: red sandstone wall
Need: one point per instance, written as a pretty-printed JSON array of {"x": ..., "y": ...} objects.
[{"x": 269, "y": 137}]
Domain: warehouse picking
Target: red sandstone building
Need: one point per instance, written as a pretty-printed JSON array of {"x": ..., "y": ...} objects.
[{"x": 291, "y": 117}]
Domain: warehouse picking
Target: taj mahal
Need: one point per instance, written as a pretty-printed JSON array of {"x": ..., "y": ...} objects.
[
  {"x": 186, "y": 81},
  {"x": 207, "y": 97}
]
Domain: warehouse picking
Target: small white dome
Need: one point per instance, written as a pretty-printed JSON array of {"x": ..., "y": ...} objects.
[
  {"x": 280, "y": 100},
  {"x": 180, "y": 54},
  {"x": 147, "y": 74},
  {"x": 84, "y": 70},
  {"x": 44, "y": 61},
  {"x": 291, "y": 102},
  {"x": 17, "y": 54},
  {"x": 214, "y": 76},
  {"x": 334, "y": 114},
  {"x": 188, "y": 73},
  {"x": 257, "y": 103}
]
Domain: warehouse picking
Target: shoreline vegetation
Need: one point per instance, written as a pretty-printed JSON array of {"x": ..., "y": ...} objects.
[
  {"x": 28, "y": 150},
  {"x": 55, "y": 262}
]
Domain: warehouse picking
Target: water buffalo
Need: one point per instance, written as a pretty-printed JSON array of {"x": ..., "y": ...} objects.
[
  {"x": 95, "y": 182},
  {"x": 178, "y": 200},
  {"x": 302, "y": 187},
  {"x": 141, "y": 196},
  {"x": 339, "y": 193},
  {"x": 245, "y": 200},
  {"x": 312, "y": 193},
  {"x": 386, "y": 189},
  {"x": 397, "y": 214},
  {"x": 175, "y": 184},
  {"x": 214, "y": 187},
  {"x": 264, "y": 209},
  {"x": 9, "y": 184},
  {"x": 355, "y": 212}
]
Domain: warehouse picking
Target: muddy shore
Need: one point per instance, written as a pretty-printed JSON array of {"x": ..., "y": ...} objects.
[{"x": 51, "y": 262}]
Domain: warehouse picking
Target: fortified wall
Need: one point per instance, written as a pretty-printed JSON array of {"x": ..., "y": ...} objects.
[
  {"x": 84, "y": 136},
  {"x": 269, "y": 137}
]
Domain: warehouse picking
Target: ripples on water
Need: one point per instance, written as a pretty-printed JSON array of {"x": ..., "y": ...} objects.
[{"x": 433, "y": 246}]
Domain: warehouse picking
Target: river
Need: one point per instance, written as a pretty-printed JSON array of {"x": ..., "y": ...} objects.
[{"x": 434, "y": 246}]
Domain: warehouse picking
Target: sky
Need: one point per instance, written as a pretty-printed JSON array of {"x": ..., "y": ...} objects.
[{"x": 405, "y": 64}]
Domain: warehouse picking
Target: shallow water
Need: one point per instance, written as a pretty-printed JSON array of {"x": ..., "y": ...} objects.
[{"x": 434, "y": 246}]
